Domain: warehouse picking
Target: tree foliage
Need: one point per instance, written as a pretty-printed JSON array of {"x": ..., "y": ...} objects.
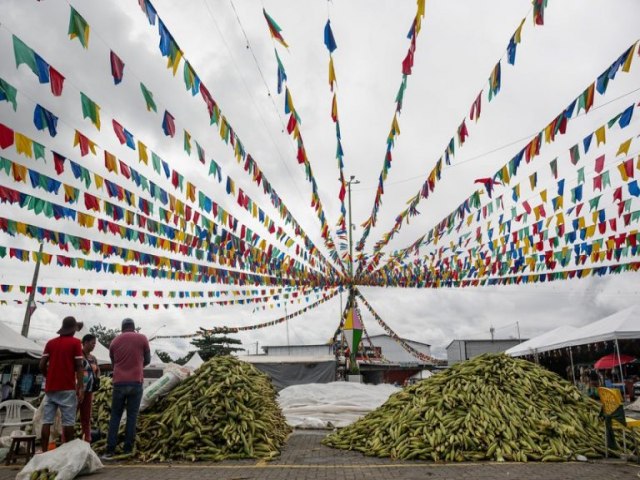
[
  {"x": 166, "y": 358},
  {"x": 211, "y": 345}
]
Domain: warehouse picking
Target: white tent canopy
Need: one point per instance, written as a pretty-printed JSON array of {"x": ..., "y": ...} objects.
[
  {"x": 194, "y": 362},
  {"x": 156, "y": 361},
  {"x": 14, "y": 343},
  {"x": 535, "y": 344},
  {"x": 622, "y": 325}
]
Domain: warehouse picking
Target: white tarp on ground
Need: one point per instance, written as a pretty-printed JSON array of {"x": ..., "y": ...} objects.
[
  {"x": 100, "y": 352},
  {"x": 622, "y": 325},
  {"x": 532, "y": 345},
  {"x": 322, "y": 405},
  {"x": 12, "y": 341}
]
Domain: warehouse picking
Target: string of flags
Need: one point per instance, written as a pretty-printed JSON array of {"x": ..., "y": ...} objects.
[
  {"x": 326, "y": 296},
  {"x": 46, "y": 119},
  {"x": 394, "y": 131},
  {"x": 284, "y": 292},
  {"x": 494, "y": 84},
  {"x": 394, "y": 336},
  {"x": 557, "y": 126},
  {"x": 217, "y": 241},
  {"x": 170, "y": 49},
  {"x": 266, "y": 300},
  {"x": 293, "y": 129},
  {"x": 330, "y": 43},
  {"x": 463, "y": 213},
  {"x": 512, "y": 230}
]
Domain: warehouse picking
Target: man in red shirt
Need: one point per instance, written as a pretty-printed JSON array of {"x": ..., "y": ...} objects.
[
  {"x": 129, "y": 353},
  {"x": 61, "y": 364}
]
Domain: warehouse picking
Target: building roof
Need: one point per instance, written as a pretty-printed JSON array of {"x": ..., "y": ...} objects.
[
  {"x": 285, "y": 346},
  {"x": 403, "y": 339},
  {"x": 495, "y": 340}
]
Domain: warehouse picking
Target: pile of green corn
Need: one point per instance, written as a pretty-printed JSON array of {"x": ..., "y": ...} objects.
[
  {"x": 493, "y": 407},
  {"x": 226, "y": 410},
  {"x": 101, "y": 406},
  {"x": 43, "y": 474}
]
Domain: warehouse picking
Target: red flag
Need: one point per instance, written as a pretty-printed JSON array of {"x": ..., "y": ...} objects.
[
  {"x": 57, "y": 81},
  {"x": 599, "y": 163},
  {"x": 119, "y": 131},
  {"x": 6, "y": 136},
  {"x": 476, "y": 107},
  {"x": 58, "y": 160},
  {"x": 124, "y": 169},
  {"x": 117, "y": 68}
]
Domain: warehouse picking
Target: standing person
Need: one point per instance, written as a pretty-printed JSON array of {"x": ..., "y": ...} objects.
[
  {"x": 129, "y": 353},
  {"x": 61, "y": 364},
  {"x": 91, "y": 372}
]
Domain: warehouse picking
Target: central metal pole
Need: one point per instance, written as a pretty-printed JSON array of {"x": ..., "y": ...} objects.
[
  {"x": 350, "y": 234},
  {"x": 30, "y": 303}
]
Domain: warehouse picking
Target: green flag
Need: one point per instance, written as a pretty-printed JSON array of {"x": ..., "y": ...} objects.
[
  {"x": 38, "y": 150},
  {"x": 78, "y": 27},
  {"x": 24, "y": 55},
  {"x": 90, "y": 109},
  {"x": 8, "y": 93},
  {"x": 155, "y": 160},
  {"x": 187, "y": 142},
  {"x": 148, "y": 97}
]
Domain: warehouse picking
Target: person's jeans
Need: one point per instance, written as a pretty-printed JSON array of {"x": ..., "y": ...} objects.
[{"x": 129, "y": 396}]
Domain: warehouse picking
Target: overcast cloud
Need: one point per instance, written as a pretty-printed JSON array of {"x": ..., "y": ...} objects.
[{"x": 458, "y": 47}]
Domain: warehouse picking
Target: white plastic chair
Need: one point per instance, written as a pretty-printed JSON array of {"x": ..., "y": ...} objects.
[{"x": 13, "y": 414}]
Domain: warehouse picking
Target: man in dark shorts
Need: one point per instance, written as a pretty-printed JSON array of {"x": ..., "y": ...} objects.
[
  {"x": 129, "y": 353},
  {"x": 61, "y": 364}
]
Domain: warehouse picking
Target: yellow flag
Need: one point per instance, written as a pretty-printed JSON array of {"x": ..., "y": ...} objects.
[
  {"x": 23, "y": 144},
  {"x": 110, "y": 162},
  {"x": 627, "y": 62},
  {"x": 191, "y": 192},
  {"x": 332, "y": 73},
  {"x": 143, "y": 156},
  {"x": 543, "y": 195},
  {"x": 175, "y": 63},
  {"x": 394, "y": 125},
  {"x": 623, "y": 172},
  {"x": 624, "y": 147},
  {"x": 601, "y": 136},
  {"x": 98, "y": 179}
]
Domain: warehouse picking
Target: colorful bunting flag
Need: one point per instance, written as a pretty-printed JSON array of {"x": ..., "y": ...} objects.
[
  {"x": 168, "y": 124},
  {"x": 90, "y": 110},
  {"x": 117, "y": 67},
  {"x": 78, "y": 28},
  {"x": 8, "y": 93},
  {"x": 43, "y": 118},
  {"x": 274, "y": 29},
  {"x": 148, "y": 98}
]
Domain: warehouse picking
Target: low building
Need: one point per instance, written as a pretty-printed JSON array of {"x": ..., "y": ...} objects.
[
  {"x": 382, "y": 361},
  {"x": 461, "y": 350}
]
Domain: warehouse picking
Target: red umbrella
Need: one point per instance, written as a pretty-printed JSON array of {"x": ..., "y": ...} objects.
[{"x": 611, "y": 361}]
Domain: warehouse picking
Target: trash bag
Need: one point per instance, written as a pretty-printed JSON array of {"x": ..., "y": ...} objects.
[
  {"x": 69, "y": 460},
  {"x": 171, "y": 378}
]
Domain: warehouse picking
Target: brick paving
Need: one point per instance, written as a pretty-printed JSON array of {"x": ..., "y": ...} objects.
[{"x": 304, "y": 458}]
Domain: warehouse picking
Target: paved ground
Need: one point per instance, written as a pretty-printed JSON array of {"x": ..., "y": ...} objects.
[{"x": 305, "y": 459}]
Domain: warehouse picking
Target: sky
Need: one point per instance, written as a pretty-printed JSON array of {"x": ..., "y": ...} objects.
[{"x": 228, "y": 44}]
